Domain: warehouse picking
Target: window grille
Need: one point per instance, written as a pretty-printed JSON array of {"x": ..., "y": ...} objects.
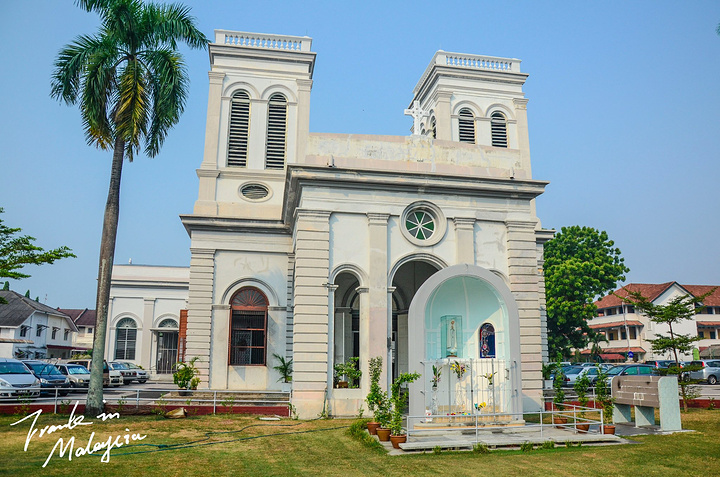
[
  {"x": 254, "y": 191},
  {"x": 239, "y": 127},
  {"x": 498, "y": 126},
  {"x": 276, "y": 132},
  {"x": 467, "y": 126},
  {"x": 248, "y": 330}
]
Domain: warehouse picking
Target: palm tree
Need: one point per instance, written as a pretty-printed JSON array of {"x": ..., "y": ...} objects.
[{"x": 131, "y": 85}]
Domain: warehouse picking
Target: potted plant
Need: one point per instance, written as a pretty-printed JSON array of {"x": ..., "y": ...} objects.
[
  {"x": 582, "y": 384},
  {"x": 397, "y": 397},
  {"x": 383, "y": 415},
  {"x": 185, "y": 376},
  {"x": 375, "y": 395},
  {"x": 603, "y": 398},
  {"x": 350, "y": 371},
  {"x": 559, "y": 397},
  {"x": 547, "y": 373},
  {"x": 285, "y": 368}
]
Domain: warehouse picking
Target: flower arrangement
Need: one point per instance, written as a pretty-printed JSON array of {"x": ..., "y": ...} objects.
[
  {"x": 489, "y": 377},
  {"x": 436, "y": 376},
  {"x": 458, "y": 369}
]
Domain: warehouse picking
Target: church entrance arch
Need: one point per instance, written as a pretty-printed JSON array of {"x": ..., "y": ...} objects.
[
  {"x": 406, "y": 281},
  {"x": 465, "y": 322}
]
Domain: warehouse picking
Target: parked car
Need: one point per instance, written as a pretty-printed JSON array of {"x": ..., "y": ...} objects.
[
  {"x": 128, "y": 375},
  {"x": 17, "y": 381},
  {"x": 142, "y": 375},
  {"x": 78, "y": 375},
  {"x": 631, "y": 369},
  {"x": 709, "y": 370},
  {"x": 111, "y": 377},
  {"x": 50, "y": 377}
]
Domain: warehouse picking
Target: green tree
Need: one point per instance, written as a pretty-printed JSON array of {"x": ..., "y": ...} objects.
[
  {"x": 677, "y": 310},
  {"x": 16, "y": 251},
  {"x": 581, "y": 264},
  {"x": 131, "y": 84}
]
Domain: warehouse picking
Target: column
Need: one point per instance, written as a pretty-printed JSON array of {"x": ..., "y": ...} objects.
[
  {"x": 310, "y": 322},
  {"x": 379, "y": 319},
  {"x": 524, "y": 285}
]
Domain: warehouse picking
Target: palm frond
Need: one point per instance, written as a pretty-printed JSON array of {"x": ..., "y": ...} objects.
[
  {"x": 169, "y": 88},
  {"x": 169, "y": 24},
  {"x": 133, "y": 106},
  {"x": 70, "y": 65}
]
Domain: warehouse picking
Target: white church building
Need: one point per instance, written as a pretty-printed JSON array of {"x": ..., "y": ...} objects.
[{"x": 422, "y": 249}]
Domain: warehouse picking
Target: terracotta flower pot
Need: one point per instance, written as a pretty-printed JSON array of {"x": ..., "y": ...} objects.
[
  {"x": 383, "y": 434},
  {"x": 397, "y": 440},
  {"x": 372, "y": 428},
  {"x": 559, "y": 421},
  {"x": 608, "y": 429},
  {"x": 342, "y": 384},
  {"x": 583, "y": 427}
]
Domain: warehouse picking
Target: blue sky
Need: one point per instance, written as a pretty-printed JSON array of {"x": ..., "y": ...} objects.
[{"x": 623, "y": 117}]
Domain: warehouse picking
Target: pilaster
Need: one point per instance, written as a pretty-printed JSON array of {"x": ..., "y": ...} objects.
[
  {"x": 310, "y": 320},
  {"x": 523, "y": 275},
  {"x": 303, "y": 119},
  {"x": 465, "y": 239},
  {"x": 523, "y": 137},
  {"x": 200, "y": 300},
  {"x": 442, "y": 116},
  {"x": 379, "y": 321}
]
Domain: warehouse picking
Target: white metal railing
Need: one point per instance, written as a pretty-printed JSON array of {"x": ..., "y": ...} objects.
[
  {"x": 154, "y": 398},
  {"x": 489, "y": 421},
  {"x": 262, "y": 40}
]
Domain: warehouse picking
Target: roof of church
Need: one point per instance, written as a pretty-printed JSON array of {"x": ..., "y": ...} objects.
[
  {"x": 81, "y": 317},
  {"x": 651, "y": 291},
  {"x": 19, "y": 308}
]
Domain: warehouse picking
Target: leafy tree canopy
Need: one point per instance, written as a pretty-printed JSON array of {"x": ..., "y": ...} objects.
[
  {"x": 581, "y": 264},
  {"x": 17, "y": 250}
]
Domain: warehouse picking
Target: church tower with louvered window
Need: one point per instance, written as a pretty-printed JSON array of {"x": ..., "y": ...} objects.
[{"x": 332, "y": 249}]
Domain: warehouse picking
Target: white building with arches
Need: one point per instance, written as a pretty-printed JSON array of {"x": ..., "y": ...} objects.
[{"x": 422, "y": 249}]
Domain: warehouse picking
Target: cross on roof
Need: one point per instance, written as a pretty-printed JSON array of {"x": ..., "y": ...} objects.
[{"x": 417, "y": 113}]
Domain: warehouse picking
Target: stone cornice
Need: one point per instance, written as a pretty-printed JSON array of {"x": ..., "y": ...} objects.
[
  {"x": 300, "y": 175},
  {"x": 231, "y": 224},
  {"x": 520, "y": 103},
  {"x": 464, "y": 223},
  {"x": 216, "y": 77}
]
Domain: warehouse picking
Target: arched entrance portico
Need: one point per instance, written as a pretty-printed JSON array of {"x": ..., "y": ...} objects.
[{"x": 445, "y": 323}]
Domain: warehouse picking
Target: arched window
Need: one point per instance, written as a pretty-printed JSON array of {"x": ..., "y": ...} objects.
[
  {"x": 248, "y": 328},
  {"x": 168, "y": 323},
  {"x": 498, "y": 126},
  {"x": 487, "y": 341},
  {"x": 238, "y": 132},
  {"x": 467, "y": 126},
  {"x": 125, "y": 338},
  {"x": 276, "y": 132}
]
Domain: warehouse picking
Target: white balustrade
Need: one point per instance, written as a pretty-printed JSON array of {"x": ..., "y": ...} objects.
[{"x": 263, "y": 41}]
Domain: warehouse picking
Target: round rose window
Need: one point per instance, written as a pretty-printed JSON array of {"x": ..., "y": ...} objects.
[{"x": 420, "y": 224}]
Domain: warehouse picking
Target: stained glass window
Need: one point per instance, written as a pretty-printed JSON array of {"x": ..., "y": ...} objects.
[
  {"x": 487, "y": 341},
  {"x": 420, "y": 224}
]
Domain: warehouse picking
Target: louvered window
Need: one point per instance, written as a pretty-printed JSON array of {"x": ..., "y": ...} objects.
[
  {"x": 276, "y": 132},
  {"x": 467, "y": 126},
  {"x": 498, "y": 125},
  {"x": 239, "y": 127},
  {"x": 433, "y": 127},
  {"x": 126, "y": 336},
  {"x": 248, "y": 330}
]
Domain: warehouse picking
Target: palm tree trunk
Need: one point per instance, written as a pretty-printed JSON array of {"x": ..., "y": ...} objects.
[{"x": 94, "y": 404}]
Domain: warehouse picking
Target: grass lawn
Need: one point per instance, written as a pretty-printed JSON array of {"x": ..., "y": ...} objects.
[{"x": 226, "y": 445}]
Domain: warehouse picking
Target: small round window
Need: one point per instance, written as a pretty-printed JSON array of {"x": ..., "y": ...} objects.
[
  {"x": 420, "y": 224},
  {"x": 254, "y": 191},
  {"x": 423, "y": 223}
]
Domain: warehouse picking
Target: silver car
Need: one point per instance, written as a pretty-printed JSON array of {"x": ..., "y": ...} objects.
[
  {"x": 142, "y": 375},
  {"x": 17, "y": 381},
  {"x": 710, "y": 370},
  {"x": 78, "y": 375}
]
